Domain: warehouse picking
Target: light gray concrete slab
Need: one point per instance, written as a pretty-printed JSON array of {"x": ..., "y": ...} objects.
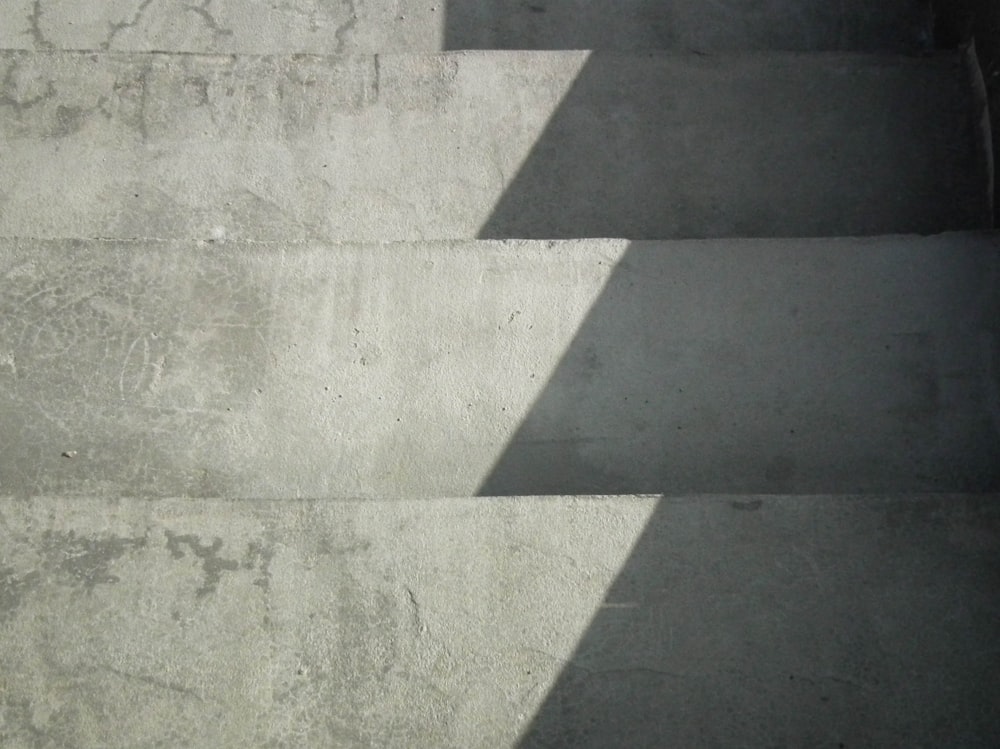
[
  {"x": 583, "y": 622},
  {"x": 320, "y": 27},
  {"x": 450, "y": 369},
  {"x": 517, "y": 144}
]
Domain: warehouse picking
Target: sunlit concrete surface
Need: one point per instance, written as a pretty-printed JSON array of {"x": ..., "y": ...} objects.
[
  {"x": 492, "y": 145},
  {"x": 709, "y": 621},
  {"x": 321, "y": 27},
  {"x": 520, "y": 367}
]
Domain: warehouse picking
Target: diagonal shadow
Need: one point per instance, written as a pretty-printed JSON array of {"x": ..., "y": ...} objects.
[
  {"x": 657, "y": 145},
  {"x": 752, "y": 367},
  {"x": 749, "y": 368}
]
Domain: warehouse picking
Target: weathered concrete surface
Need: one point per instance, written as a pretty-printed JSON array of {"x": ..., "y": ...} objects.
[
  {"x": 583, "y": 622},
  {"x": 449, "y": 369},
  {"x": 371, "y": 26},
  {"x": 499, "y": 145}
]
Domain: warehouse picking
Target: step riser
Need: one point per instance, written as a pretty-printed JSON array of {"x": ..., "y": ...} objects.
[
  {"x": 499, "y": 368},
  {"x": 543, "y": 145},
  {"x": 446, "y": 624},
  {"x": 254, "y": 26}
]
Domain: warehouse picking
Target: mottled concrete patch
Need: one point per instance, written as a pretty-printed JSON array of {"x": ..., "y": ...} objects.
[
  {"x": 258, "y": 557},
  {"x": 13, "y": 589},
  {"x": 212, "y": 564},
  {"x": 87, "y": 560}
]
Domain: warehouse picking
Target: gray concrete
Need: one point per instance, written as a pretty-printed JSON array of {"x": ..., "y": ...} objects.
[
  {"x": 450, "y": 369},
  {"x": 560, "y": 622},
  {"x": 138, "y": 375},
  {"x": 518, "y": 144},
  {"x": 315, "y": 26}
]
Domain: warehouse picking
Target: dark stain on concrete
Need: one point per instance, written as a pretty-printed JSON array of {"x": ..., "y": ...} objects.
[
  {"x": 211, "y": 563},
  {"x": 69, "y": 120},
  {"x": 127, "y": 101},
  {"x": 196, "y": 90},
  {"x": 22, "y": 97},
  {"x": 750, "y": 506},
  {"x": 338, "y": 547},
  {"x": 87, "y": 560},
  {"x": 13, "y": 588},
  {"x": 17, "y": 727},
  {"x": 259, "y": 557}
]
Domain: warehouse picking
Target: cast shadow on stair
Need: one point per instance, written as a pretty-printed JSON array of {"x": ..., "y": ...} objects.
[{"x": 759, "y": 368}]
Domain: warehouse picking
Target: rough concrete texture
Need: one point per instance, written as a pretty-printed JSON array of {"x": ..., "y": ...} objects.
[
  {"x": 495, "y": 145},
  {"x": 368, "y": 26},
  {"x": 450, "y": 369},
  {"x": 559, "y": 622}
]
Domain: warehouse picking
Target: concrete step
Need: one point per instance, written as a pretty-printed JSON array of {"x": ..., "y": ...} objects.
[
  {"x": 490, "y": 145},
  {"x": 522, "y": 367},
  {"x": 369, "y": 26},
  {"x": 564, "y": 621}
]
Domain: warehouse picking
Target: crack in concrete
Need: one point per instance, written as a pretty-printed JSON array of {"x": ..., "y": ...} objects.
[
  {"x": 143, "y": 107},
  {"x": 418, "y": 622},
  {"x": 153, "y": 681},
  {"x": 635, "y": 670},
  {"x": 815, "y": 680},
  {"x": 566, "y": 664},
  {"x": 206, "y": 16},
  {"x": 115, "y": 28},
  {"x": 35, "y": 27}
]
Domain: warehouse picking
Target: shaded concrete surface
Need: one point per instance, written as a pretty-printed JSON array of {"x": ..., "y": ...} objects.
[
  {"x": 736, "y": 621},
  {"x": 691, "y": 25},
  {"x": 981, "y": 20},
  {"x": 520, "y": 368},
  {"x": 517, "y": 144},
  {"x": 857, "y": 622},
  {"x": 775, "y": 367},
  {"x": 319, "y": 27},
  {"x": 805, "y": 172}
]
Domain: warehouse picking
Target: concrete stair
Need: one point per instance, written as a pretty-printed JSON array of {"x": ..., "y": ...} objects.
[
  {"x": 492, "y": 145},
  {"x": 713, "y": 621},
  {"x": 499, "y": 368},
  {"x": 479, "y": 374},
  {"x": 375, "y": 26}
]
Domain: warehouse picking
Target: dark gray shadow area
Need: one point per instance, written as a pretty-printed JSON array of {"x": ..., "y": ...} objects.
[
  {"x": 661, "y": 146},
  {"x": 754, "y": 366},
  {"x": 761, "y": 368},
  {"x": 810, "y": 621},
  {"x": 683, "y": 25}
]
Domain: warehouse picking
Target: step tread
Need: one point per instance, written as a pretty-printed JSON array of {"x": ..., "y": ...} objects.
[
  {"x": 473, "y": 622},
  {"x": 409, "y": 25},
  {"x": 521, "y": 367},
  {"x": 462, "y": 145}
]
